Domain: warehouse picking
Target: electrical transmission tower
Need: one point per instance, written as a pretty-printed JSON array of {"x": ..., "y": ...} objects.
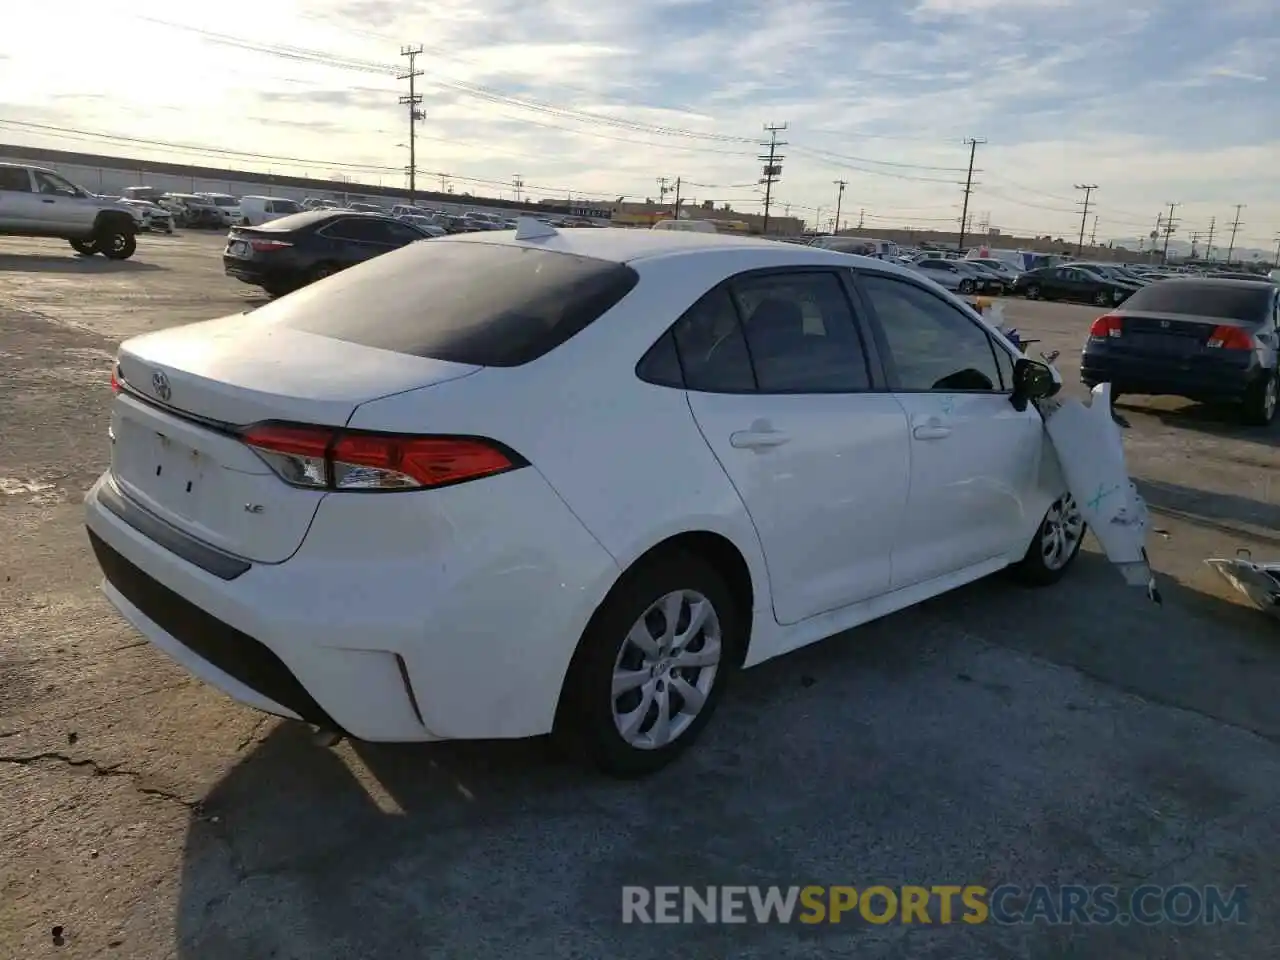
[
  {"x": 1088, "y": 189},
  {"x": 517, "y": 185},
  {"x": 973, "y": 143},
  {"x": 1235, "y": 225},
  {"x": 413, "y": 101},
  {"x": 772, "y": 166}
]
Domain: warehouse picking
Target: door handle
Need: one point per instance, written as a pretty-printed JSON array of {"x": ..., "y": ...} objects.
[
  {"x": 937, "y": 432},
  {"x": 47, "y": 200},
  {"x": 757, "y": 439},
  {"x": 930, "y": 428}
]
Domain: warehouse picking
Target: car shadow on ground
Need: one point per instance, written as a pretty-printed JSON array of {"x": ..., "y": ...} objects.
[
  {"x": 947, "y": 741},
  {"x": 71, "y": 263},
  {"x": 1214, "y": 419}
]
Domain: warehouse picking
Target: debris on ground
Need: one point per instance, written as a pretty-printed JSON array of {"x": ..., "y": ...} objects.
[{"x": 1259, "y": 582}]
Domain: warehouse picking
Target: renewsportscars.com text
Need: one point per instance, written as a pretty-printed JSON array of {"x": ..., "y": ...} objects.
[{"x": 1103, "y": 904}]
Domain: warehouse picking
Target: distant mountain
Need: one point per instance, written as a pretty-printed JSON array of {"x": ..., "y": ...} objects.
[{"x": 1182, "y": 248}]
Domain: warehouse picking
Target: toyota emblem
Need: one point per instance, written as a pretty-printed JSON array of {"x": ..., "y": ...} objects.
[{"x": 160, "y": 384}]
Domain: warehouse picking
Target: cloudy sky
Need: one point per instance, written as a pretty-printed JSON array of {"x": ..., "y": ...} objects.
[{"x": 1152, "y": 100}]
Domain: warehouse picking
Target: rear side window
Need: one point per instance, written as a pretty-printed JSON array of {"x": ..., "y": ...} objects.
[
  {"x": 1247, "y": 303},
  {"x": 712, "y": 349},
  {"x": 16, "y": 179},
  {"x": 492, "y": 305}
]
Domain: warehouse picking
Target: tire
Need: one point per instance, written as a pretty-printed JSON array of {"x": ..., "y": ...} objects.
[
  {"x": 86, "y": 248},
  {"x": 1033, "y": 291},
  {"x": 1260, "y": 402},
  {"x": 1055, "y": 546},
  {"x": 590, "y": 721},
  {"x": 116, "y": 244},
  {"x": 276, "y": 290},
  {"x": 966, "y": 286}
]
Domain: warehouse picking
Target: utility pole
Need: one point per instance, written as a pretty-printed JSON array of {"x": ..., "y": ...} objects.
[
  {"x": 772, "y": 167},
  {"x": 1093, "y": 234},
  {"x": 1208, "y": 246},
  {"x": 841, "y": 184},
  {"x": 413, "y": 100},
  {"x": 518, "y": 185},
  {"x": 663, "y": 190},
  {"x": 968, "y": 189},
  {"x": 1234, "y": 227},
  {"x": 1088, "y": 189},
  {"x": 676, "y": 213},
  {"x": 1170, "y": 225},
  {"x": 862, "y": 216}
]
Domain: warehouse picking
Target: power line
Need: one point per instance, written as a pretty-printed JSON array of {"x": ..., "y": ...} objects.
[
  {"x": 412, "y": 101},
  {"x": 772, "y": 167},
  {"x": 968, "y": 189},
  {"x": 1088, "y": 189},
  {"x": 1234, "y": 227}
]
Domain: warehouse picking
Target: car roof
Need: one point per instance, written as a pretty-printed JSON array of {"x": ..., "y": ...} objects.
[
  {"x": 1228, "y": 282},
  {"x": 621, "y": 245}
]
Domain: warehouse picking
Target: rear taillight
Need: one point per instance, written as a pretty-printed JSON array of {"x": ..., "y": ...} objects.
[
  {"x": 268, "y": 246},
  {"x": 1106, "y": 326},
  {"x": 326, "y": 459},
  {"x": 115, "y": 379},
  {"x": 1229, "y": 338}
]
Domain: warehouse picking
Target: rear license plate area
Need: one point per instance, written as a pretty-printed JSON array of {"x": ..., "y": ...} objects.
[
  {"x": 169, "y": 473},
  {"x": 1163, "y": 345}
]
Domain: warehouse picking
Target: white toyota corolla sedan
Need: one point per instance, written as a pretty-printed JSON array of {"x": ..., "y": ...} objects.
[{"x": 505, "y": 484}]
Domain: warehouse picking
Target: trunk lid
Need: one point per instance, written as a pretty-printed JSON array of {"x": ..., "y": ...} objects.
[
  {"x": 175, "y": 450},
  {"x": 1172, "y": 335}
]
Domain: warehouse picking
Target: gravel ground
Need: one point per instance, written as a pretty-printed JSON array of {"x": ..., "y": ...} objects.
[{"x": 992, "y": 735}]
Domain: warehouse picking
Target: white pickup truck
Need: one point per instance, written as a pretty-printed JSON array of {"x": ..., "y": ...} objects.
[{"x": 35, "y": 202}]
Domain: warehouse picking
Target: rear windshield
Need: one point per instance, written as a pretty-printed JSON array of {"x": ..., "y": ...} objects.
[
  {"x": 492, "y": 305},
  {"x": 1245, "y": 302},
  {"x": 296, "y": 221}
]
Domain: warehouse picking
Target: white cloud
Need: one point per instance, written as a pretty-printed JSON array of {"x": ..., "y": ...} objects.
[{"x": 1063, "y": 90}]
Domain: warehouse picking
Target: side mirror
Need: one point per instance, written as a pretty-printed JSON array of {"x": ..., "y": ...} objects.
[{"x": 1032, "y": 380}]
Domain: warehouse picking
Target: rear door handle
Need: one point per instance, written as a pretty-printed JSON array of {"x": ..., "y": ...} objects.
[
  {"x": 47, "y": 200},
  {"x": 757, "y": 439}
]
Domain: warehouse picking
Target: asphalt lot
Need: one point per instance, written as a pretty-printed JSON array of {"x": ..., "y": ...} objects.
[{"x": 1078, "y": 734}]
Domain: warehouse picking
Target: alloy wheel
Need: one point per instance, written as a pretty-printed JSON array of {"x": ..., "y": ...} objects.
[
  {"x": 1061, "y": 533},
  {"x": 665, "y": 669}
]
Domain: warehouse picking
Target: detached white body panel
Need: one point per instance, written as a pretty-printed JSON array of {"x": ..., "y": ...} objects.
[{"x": 1091, "y": 451}]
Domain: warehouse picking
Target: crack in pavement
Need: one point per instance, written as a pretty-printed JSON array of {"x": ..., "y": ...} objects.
[
  {"x": 253, "y": 732},
  {"x": 99, "y": 770}
]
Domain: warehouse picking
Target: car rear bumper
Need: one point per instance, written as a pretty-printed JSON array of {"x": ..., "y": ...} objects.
[
  {"x": 259, "y": 274},
  {"x": 392, "y": 622},
  {"x": 1201, "y": 381}
]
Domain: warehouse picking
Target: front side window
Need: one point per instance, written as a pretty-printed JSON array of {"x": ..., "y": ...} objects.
[
  {"x": 53, "y": 184},
  {"x": 933, "y": 345}
]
